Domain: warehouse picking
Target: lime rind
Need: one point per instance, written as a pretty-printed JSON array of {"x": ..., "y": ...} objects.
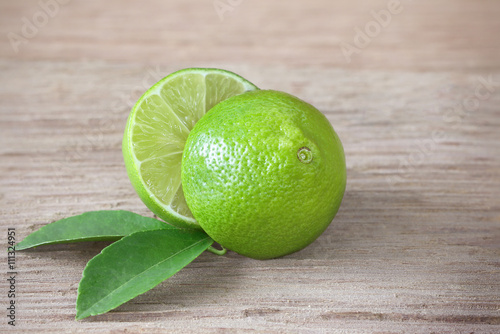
[
  {"x": 157, "y": 129},
  {"x": 264, "y": 173}
]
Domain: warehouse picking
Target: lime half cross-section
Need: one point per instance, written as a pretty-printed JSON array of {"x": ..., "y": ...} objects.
[{"x": 157, "y": 129}]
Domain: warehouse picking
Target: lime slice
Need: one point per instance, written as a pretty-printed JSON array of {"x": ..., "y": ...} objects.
[{"x": 157, "y": 129}]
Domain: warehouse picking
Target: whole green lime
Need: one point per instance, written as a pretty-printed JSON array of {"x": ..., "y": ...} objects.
[{"x": 263, "y": 173}]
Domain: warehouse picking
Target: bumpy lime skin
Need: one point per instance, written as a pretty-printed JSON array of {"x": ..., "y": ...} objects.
[{"x": 245, "y": 182}]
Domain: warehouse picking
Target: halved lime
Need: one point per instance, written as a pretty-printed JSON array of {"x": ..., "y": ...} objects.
[{"x": 157, "y": 129}]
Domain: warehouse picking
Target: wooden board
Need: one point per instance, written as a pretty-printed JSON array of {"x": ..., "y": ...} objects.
[{"x": 415, "y": 246}]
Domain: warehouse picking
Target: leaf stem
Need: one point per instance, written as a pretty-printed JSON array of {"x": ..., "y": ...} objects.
[{"x": 217, "y": 251}]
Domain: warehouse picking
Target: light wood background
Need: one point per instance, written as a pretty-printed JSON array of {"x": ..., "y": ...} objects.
[{"x": 415, "y": 247}]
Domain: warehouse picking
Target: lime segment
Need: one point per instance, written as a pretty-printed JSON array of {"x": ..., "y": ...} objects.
[{"x": 157, "y": 129}]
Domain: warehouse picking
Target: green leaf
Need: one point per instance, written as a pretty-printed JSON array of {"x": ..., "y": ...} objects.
[
  {"x": 134, "y": 265},
  {"x": 92, "y": 226}
]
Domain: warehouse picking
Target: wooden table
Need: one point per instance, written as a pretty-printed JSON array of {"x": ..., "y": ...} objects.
[{"x": 413, "y": 90}]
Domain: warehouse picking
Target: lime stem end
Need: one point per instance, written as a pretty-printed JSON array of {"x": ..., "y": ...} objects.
[{"x": 217, "y": 251}]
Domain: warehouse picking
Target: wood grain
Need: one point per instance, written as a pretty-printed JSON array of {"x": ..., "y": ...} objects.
[{"x": 415, "y": 247}]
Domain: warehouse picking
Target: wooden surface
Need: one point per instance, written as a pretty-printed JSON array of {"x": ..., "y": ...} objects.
[{"x": 415, "y": 247}]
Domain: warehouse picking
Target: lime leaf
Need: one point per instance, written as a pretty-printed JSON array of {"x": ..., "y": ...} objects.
[
  {"x": 134, "y": 265},
  {"x": 91, "y": 226}
]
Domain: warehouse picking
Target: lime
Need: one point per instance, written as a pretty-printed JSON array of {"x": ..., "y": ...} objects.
[
  {"x": 157, "y": 129},
  {"x": 263, "y": 173}
]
